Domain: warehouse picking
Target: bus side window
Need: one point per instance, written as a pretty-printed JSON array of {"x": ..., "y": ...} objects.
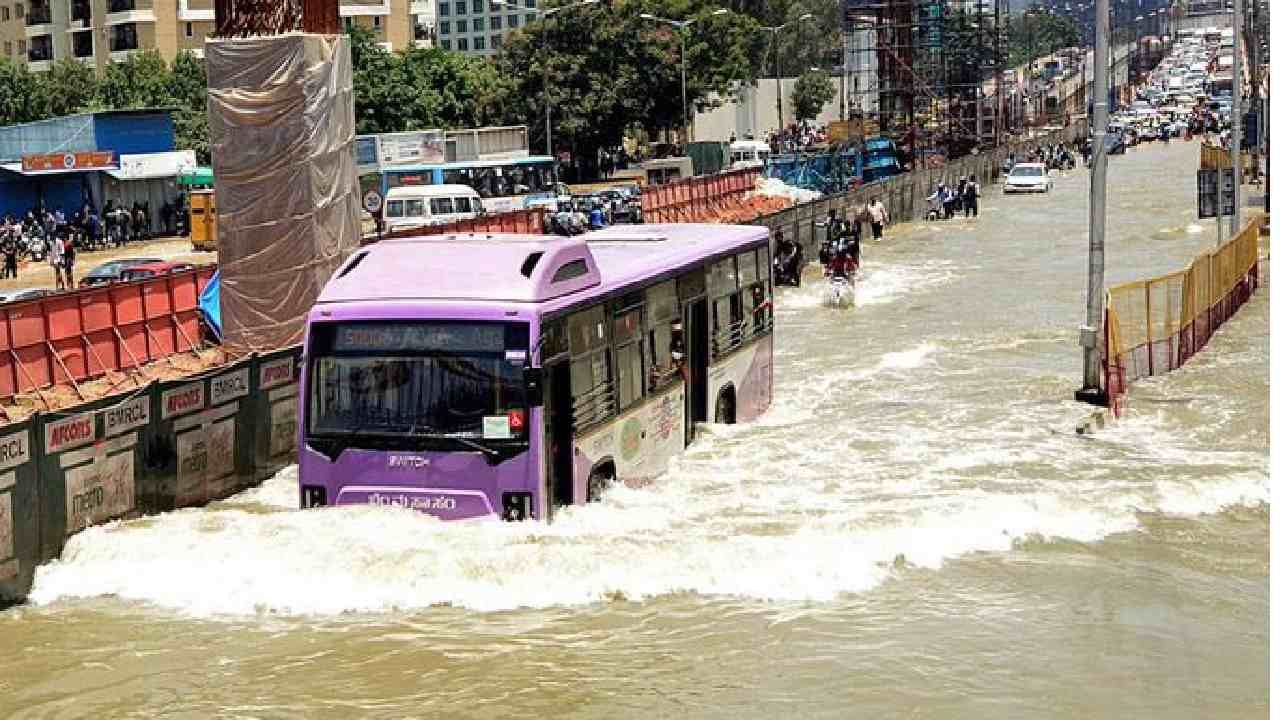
[
  {"x": 630, "y": 355},
  {"x": 590, "y": 370},
  {"x": 395, "y": 208},
  {"x": 414, "y": 208},
  {"x": 726, "y": 306},
  {"x": 662, "y": 318},
  {"x": 461, "y": 205},
  {"x": 441, "y": 206}
]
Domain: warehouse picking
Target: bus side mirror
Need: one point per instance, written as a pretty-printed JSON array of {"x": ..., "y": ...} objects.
[{"x": 533, "y": 386}]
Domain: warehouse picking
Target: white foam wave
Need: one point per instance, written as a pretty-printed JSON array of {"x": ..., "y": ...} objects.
[
  {"x": 877, "y": 284},
  {"x": 637, "y": 544}
]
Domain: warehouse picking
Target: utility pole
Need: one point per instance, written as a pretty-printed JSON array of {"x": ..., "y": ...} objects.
[
  {"x": 1237, "y": 128},
  {"x": 845, "y": 39},
  {"x": 1092, "y": 392}
]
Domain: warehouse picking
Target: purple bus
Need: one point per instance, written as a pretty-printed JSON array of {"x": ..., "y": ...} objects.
[{"x": 504, "y": 376}]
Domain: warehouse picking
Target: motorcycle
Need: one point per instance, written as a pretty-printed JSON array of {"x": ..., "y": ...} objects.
[
  {"x": 839, "y": 292},
  {"x": 35, "y": 247},
  {"x": 935, "y": 211}
]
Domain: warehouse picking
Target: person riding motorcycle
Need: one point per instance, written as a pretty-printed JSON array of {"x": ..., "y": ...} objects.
[
  {"x": 786, "y": 260},
  {"x": 843, "y": 262}
]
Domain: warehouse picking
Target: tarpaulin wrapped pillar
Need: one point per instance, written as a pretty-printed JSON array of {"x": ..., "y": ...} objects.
[{"x": 281, "y": 130}]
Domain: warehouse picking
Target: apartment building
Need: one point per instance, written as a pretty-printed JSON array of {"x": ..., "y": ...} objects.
[
  {"x": 478, "y": 27},
  {"x": 97, "y": 32}
]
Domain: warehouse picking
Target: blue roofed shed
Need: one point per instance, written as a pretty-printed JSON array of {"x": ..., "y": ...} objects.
[{"x": 145, "y": 134}]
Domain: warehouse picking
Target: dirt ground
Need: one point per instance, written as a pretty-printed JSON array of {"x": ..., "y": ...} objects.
[{"x": 173, "y": 249}]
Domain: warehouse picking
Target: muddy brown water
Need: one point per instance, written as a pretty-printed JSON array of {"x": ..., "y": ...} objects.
[{"x": 913, "y": 531}]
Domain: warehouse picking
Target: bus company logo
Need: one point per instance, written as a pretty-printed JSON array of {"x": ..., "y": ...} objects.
[
  {"x": 83, "y": 504},
  {"x": 407, "y": 462},
  {"x": 68, "y": 433},
  {"x": 15, "y": 449},
  {"x": 276, "y": 372},
  {"x": 135, "y": 413},
  {"x": 196, "y": 460},
  {"x": 438, "y": 502},
  {"x": 632, "y": 433},
  {"x": 182, "y": 400},
  {"x": 229, "y": 386}
]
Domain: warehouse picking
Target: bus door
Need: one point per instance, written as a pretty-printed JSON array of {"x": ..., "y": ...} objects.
[
  {"x": 557, "y": 439},
  {"x": 698, "y": 357}
]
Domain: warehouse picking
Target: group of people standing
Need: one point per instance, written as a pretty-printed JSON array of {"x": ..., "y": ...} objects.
[
  {"x": 948, "y": 199},
  {"x": 39, "y": 239}
]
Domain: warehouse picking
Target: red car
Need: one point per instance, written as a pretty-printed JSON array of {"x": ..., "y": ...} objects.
[{"x": 150, "y": 270}]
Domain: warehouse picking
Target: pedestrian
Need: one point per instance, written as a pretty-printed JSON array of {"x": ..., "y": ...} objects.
[
  {"x": 69, "y": 261},
  {"x": 55, "y": 260},
  {"x": 971, "y": 195},
  {"x": 11, "y": 255},
  {"x": 879, "y": 218}
]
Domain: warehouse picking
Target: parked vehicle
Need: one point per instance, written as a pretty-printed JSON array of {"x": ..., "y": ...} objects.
[
  {"x": 1028, "y": 177},
  {"x": 153, "y": 269},
  {"x": 109, "y": 272},
  {"x": 10, "y": 296},
  {"x": 410, "y": 206}
]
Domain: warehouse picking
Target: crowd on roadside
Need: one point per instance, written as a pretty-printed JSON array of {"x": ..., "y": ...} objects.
[{"x": 796, "y": 137}]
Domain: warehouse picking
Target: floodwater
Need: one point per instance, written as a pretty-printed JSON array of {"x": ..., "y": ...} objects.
[{"x": 913, "y": 531}]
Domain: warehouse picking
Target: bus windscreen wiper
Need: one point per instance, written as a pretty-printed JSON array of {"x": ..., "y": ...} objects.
[
  {"x": 461, "y": 440},
  {"x": 475, "y": 445}
]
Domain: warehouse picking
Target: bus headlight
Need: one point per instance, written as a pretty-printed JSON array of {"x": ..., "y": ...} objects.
[
  {"x": 313, "y": 496},
  {"x": 517, "y": 506}
]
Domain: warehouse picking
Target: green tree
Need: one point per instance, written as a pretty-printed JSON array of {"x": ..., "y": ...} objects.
[
  {"x": 611, "y": 71},
  {"x": 419, "y": 89},
  {"x": 812, "y": 92},
  {"x": 140, "y": 81},
  {"x": 188, "y": 90},
  {"x": 21, "y": 98},
  {"x": 1034, "y": 34},
  {"x": 68, "y": 87}
]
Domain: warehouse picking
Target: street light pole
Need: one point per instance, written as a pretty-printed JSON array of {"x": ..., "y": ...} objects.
[
  {"x": 777, "y": 60},
  {"x": 1237, "y": 95},
  {"x": 1091, "y": 333},
  {"x": 681, "y": 27},
  {"x": 546, "y": 74}
]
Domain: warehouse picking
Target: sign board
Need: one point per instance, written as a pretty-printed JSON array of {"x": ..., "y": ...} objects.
[
  {"x": 1207, "y": 190},
  {"x": 412, "y": 148},
  {"x": 373, "y": 202},
  {"x": 157, "y": 165},
  {"x": 45, "y": 162}
]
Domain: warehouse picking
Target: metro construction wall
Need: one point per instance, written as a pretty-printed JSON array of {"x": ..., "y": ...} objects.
[{"x": 168, "y": 445}]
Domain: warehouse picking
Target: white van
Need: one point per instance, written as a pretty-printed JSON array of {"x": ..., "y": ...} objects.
[
  {"x": 747, "y": 153},
  {"x": 411, "y": 206}
]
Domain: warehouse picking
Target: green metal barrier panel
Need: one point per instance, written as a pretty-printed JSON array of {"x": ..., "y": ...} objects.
[
  {"x": 19, "y": 513},
  {"x": 88, "y": 461},
  {"x": 275, "y": 402}
]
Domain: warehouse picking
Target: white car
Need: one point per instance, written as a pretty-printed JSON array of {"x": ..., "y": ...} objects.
[{"x": 1028, "y": 177}]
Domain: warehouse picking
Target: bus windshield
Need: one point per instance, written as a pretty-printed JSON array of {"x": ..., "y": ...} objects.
[{"x": 422, "y": 379}]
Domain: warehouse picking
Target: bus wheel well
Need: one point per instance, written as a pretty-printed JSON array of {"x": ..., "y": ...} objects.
[
  {"x": 727, "y": 405},
  {"x": 602, "y": 476}
]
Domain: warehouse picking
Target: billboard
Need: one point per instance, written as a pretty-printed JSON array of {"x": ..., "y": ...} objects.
[{"x": 58, "y": 162}]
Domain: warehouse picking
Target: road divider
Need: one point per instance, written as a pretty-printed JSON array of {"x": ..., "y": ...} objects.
[{"x": 1154, "y": 326}]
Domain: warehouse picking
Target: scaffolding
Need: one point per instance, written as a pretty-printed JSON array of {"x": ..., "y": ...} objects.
[{"x": 929, "y": 74}]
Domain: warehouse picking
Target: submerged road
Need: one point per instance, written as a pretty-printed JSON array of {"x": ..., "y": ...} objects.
[{"x": 913, "y": 530}]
